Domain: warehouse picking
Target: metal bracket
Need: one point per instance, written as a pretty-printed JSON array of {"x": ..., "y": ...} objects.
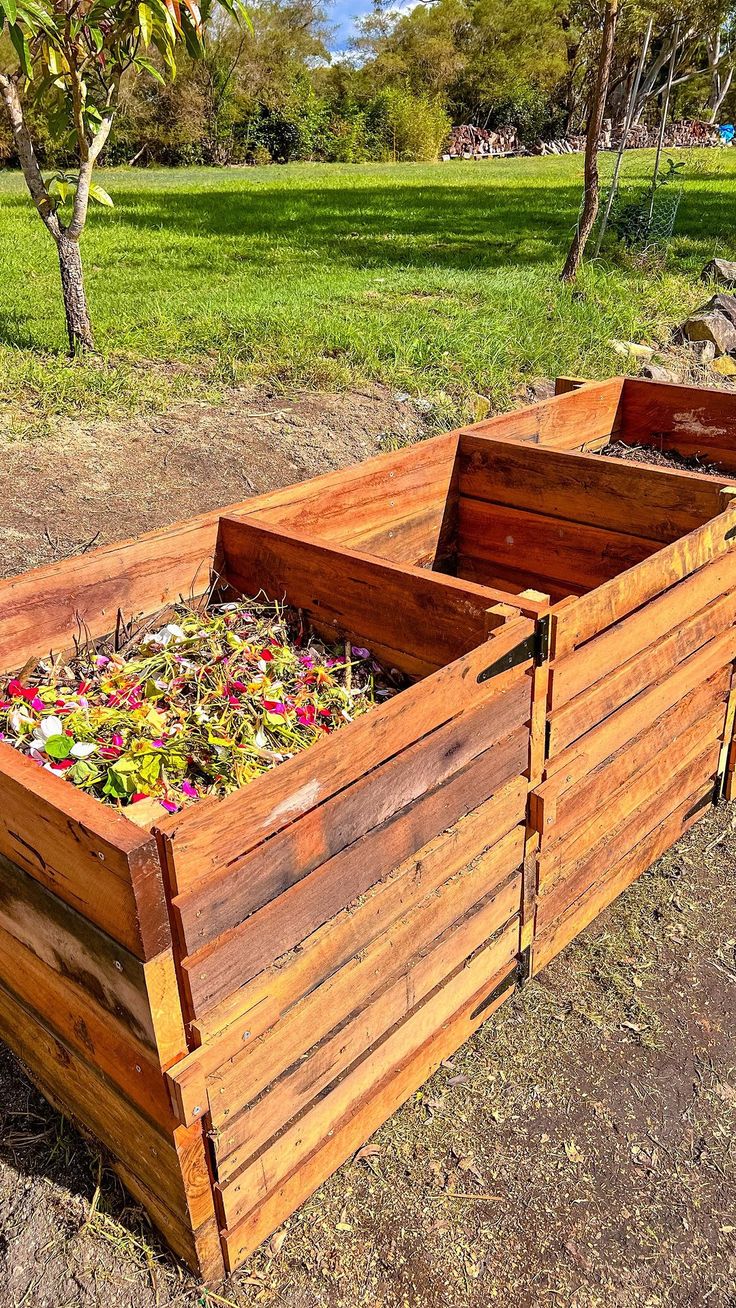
[
  {"x": 535, "y": 647},
  {"x": 519, "y": 976}
]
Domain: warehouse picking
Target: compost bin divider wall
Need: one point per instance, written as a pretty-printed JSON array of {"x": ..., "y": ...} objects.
[{"x": 233, "y": 1002}]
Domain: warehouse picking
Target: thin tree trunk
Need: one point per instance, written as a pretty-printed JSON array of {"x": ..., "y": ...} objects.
[
  {"x": 78, "y": 325},
  {"x": 595, "y": 123}
]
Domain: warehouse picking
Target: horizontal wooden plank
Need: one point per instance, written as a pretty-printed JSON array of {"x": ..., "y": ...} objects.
[
  {"x": 655, "y": 777},
  {"x": 557, "y": 817},
  {"x": 614, "y": 880},
  {"x": 431, "y": 617},
  {"x": 299, "y": 1002},
  {"x": 264, "y": 1000},
  {"x": 573, "y": 879},
  {"x": 273, "y": 1165},
  {"x": 207, "y": 837},
  {"x": 242, "y": 1135},
  {"x": 696, "y": 420},
  {"x": 493, "y": 881},
  {"x": 85, "y": 852},
  {"x": 514, "y": 581},
  {"x": 222, "y": 902},
  {"x": 616, "y": 686},
  {"x": 656, "y": 504},
  {"x": 550, "y": 548},
  {"x": 581, "y": 758},
  {"x": 87, "y": 1097},
  {"x": 591, "y": 614},
  {"x": 598, "y": 657},
  {"x": 563, "y": 422},
  {"x": 359, "y": 1124},
  {"x": 222, "y": 968}
]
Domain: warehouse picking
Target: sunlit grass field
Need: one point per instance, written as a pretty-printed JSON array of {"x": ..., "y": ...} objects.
[{"x": 441, "y": 280}]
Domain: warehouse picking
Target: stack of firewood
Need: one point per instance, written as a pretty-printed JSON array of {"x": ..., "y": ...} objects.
[
  {"x": 469, "y": 142},
  {"x": 685, "y": 135}
]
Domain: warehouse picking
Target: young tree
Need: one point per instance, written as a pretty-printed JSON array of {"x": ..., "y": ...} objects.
[
  {"x": 71, "y": 56},
  {"x": 595, "y": 123}
]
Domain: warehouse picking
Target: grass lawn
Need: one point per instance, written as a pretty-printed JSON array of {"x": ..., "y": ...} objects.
[{"x": 441, "y": 280}]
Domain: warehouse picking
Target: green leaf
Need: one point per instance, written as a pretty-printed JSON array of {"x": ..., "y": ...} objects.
[
  {"x": 151, "y": 69},
  {"x": 21, "y": 49},
  {"x": 99, "y": 194},
  {"x": 11, "y": 10},
  {"x": 145, "y": 18},
  {"x": 59, "y": 746}
]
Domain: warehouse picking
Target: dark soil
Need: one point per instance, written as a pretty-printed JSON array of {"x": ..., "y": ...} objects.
[
  {"x": 662, "y": 458},
  {"x": 578, "y": 1152}
]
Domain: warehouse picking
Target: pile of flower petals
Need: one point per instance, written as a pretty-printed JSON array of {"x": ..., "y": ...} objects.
[{"x": 201, "y": 706}]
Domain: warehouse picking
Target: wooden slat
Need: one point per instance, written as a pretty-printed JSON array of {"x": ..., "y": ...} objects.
[
  {"x": 263, "y": 1001},
  {"x": 573, "y": 879},
  {"x": 562, "y": 423},
  {"x": 558, "y": 817},
  {"x": 696, "y": 420},
  {"x": 223, "y": 967},
  {"x": 655, "y": 776},
  {"x": 603, "y": 892},
  {"x": 653, "y": 503},
  {"x": 84, "y": 852},
  {"x": 581, "y": 758},
  {"x": 549, "y": 548},
  {"x": 588, "y": 616},
  {"x": 358, "y": 1125},
  {"x": 616, "y": 686},
  {"x": 294, "y": 1147},
  {"x": 206, "y": 836},
  {"x": 222, "y": 902},
  {"x": 241, "y": 1079},
  {"x": 603, "y": 654},
  {"x": 239, "y": 1137},
  {"x": 407, "y": 611}
]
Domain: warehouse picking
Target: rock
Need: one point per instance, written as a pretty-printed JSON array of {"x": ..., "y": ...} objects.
[
  {"x": 655, "y": 372},
  {"x": 721, "y": 303},
  {"x": 631, "y": 350},
  {"x": 702, "y": 351},
  {"x": 720, "y": 270},
  {"x": 726, "y": 366},
  {"x": 711, "y": 325}
]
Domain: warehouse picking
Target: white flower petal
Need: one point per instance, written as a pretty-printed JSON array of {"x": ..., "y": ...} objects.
[
  {"x": 50, "y": 727},
  {"x": 82, "y": 749}
]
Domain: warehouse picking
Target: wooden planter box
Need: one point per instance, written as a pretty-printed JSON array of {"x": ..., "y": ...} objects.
[{"x": 233, "y": 1001}]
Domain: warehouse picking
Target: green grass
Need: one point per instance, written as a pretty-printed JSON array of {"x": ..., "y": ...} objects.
[{"x": 442, "y": 280}]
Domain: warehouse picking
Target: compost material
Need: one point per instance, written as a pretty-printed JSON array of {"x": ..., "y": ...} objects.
[
  {"x": 662, "y": 458},
  {"x": 199, "y": 705}
]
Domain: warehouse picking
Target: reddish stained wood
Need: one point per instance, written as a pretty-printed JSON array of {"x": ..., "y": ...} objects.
[
  {"x": 569, "y": 554},
  {"x": 348, "y": 1134},
  {"x": 691, "y": 419},
  {"x": 563, "y": 422},
  {"x": 224, "y": 901},
  {"x": 263, "y": 1001},
  {"x": 295, "y": 1145},
  {"x": 656, "y": 504},
  {"x": 556, "y": 816},
  {"x": 598, "y": 657},
  {"x": 619, "y": 685},
  {"x": 215, "y": 835},
  {"x": 615, "y": 879},
  {"x": 588, "y": 616},
  {"x": 85, "y": 852},
  {"x": 573, "y": 879},
  {"x": 222, "y": 967},
  {"x": 579, "y": 759},
  {"x": 238, "y": 1081},
  {"x": 241, "y": 1135}
]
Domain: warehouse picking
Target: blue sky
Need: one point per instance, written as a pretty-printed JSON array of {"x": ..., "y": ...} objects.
[{"x": 342, "y": 14}]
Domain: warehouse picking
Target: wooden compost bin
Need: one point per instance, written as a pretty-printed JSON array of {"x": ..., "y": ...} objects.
[{"x": 234, "y": 1001}]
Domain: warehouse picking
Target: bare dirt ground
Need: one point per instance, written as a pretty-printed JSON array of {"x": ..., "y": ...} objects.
[{"x": 578, "y": 1152}]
